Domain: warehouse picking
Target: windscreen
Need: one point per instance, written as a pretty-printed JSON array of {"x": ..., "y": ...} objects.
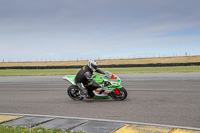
[{"x": 108, "y": 74}]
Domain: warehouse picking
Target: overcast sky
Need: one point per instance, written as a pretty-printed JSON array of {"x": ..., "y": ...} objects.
[{"x": 71, "y": 29}]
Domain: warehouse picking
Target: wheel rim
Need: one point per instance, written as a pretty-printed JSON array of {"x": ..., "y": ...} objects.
[
  {"x": 75, "y": 93},
  {"x": 121, "y": 95}
]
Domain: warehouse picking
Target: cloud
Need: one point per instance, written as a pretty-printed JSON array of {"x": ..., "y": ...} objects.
[{"x": 49, "y": 28}]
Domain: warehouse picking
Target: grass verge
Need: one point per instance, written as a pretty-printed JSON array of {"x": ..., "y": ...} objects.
[
  {"x": 19, "y": 129},
  {"x": 40, "y": 72}
]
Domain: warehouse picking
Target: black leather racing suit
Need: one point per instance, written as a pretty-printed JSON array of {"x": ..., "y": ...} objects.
[{"x": 84, "y": 76}]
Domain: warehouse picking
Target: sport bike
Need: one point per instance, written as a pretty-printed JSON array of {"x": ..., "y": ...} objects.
[{"x": 110, "y": 86}]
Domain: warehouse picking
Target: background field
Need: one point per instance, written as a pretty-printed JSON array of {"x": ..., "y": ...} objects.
[
  {"x": 180, "y": 59},
  {"x": 28, "y": 72}
]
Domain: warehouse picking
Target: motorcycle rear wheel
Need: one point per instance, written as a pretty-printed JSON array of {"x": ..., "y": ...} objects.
[
  {"x": 74, "y": 93},
  {"x": 121, "y": 96}
]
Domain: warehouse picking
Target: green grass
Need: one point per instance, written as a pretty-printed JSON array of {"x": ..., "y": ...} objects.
[
  {"x": 31, "y": 72},
  {"x": 155, "y": 69},
  {"x": 18, "y": 129},
  {"x": 26, "y": 72}
]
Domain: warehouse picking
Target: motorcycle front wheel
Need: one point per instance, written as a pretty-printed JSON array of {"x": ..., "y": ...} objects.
[
  {"x": 120, "y": 96},
  {"x": 74, "y": 93}
]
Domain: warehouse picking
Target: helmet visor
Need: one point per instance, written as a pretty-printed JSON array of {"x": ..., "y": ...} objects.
[{"x": 94, "y": 66}]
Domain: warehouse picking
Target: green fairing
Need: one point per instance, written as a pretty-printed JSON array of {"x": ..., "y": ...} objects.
[
  {"x": 114, "y": 86},
  {"x": 101, "y": 97},
  {"x": 114, "y": 81},
  {"x": 98, "y": 79},
  {"x": 72, "y": 77}
]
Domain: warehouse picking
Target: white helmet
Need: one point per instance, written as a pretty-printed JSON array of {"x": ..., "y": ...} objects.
[{"x": 93, "y": 64}]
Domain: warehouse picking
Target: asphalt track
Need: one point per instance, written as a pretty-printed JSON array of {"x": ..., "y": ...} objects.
[{"x": 169, "y": 99}]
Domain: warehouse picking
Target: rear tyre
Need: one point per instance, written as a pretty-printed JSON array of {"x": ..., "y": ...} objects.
[
  {"x": 74, "y": 93},
  {"x": 121, "y": 96}
]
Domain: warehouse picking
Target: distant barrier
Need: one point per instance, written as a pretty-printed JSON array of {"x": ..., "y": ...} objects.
[{"x": 106, "y": 66}]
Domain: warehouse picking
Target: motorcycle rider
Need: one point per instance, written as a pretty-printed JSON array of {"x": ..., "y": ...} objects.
[{"x": 85, "y": 75}]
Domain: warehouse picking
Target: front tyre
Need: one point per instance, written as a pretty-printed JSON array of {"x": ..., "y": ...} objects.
[
  {"x": 74, "y": 93},
  {"x": 120, "y": 95}
]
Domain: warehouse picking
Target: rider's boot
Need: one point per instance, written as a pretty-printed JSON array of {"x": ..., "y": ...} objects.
[{"x": 82, "y": 89}]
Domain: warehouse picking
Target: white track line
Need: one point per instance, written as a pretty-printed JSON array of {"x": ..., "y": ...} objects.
[{"x": 106, "y": 120}]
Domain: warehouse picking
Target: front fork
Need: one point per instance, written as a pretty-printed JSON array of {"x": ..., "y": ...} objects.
[{"x": 116, "y": 91}]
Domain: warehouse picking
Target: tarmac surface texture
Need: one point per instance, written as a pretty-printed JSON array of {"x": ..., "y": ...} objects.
[{"x": 163, "y": 98}]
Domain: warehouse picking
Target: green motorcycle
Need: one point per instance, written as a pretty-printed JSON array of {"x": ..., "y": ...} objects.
[{"x": 110, "y": 87}]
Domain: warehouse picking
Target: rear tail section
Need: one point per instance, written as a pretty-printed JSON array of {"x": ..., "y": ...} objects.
[{"x": 70, "y": 78}]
